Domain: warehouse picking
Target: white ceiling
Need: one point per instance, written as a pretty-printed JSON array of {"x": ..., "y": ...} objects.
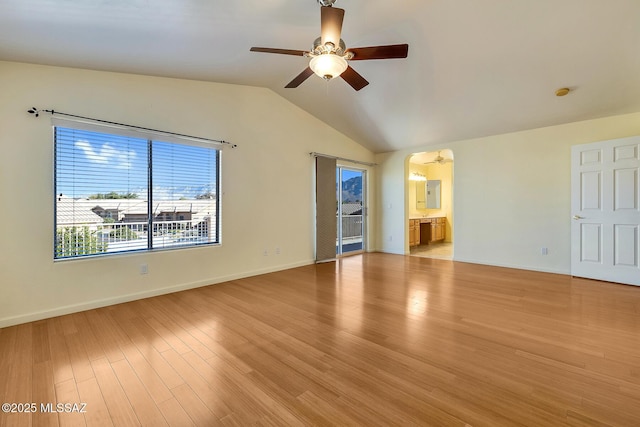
[
  {"x": 430, "y": 157},
  {"x": 475, "y": 68}
]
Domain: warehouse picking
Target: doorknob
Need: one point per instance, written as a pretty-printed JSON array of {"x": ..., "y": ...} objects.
[{"x": 578, "y": 217}]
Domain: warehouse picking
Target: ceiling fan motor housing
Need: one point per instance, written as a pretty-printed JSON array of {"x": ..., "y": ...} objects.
[{"x": 319, "y": 49}]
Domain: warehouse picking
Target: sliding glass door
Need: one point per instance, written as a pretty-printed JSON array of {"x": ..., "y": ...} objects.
[{"x": 351, "y": 209}]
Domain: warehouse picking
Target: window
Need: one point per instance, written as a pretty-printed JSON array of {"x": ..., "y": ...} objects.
[{"x": 119, "y": 192}]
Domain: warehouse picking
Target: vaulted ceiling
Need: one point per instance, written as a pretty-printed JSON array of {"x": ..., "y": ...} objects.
[{"x": 475, "y": 68}]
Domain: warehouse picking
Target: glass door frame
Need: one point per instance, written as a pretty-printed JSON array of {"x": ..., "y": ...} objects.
[{"x": 339, "y": 217}]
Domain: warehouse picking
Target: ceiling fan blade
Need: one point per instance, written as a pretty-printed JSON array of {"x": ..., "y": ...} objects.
[
  {"x": 439, "y": 160},
  {"x": 300, "y": 78},
  {"x": 354, "y": 79},
  {"x": 280, "y": 51},
  {"x": 331, "y": 24},
  {"x": 380, "y": 52}
]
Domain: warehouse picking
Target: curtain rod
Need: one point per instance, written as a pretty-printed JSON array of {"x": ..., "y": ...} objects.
[
  {"x": 37, "y": 112},
  {"x": 314, "y": 154}
]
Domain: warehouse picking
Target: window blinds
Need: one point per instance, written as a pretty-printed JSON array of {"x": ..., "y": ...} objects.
[{"x": 118, "y": 192}]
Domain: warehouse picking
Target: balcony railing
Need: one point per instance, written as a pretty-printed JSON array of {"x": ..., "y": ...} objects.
[
  {"x": 89, "y": 239},
  {"x": 351, "y": 226}
]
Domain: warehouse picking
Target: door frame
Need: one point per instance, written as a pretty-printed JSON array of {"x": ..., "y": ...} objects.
[
  {"x": 408, "y": 207},
  {"x": 363, "y": 171}
]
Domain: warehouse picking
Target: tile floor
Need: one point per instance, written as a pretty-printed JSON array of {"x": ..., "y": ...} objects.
[{"x": 434, "y": 250}]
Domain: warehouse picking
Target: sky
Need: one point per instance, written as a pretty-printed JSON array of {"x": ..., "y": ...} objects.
[
  {"x": 90, "y": 162},
  {"x": 347, "y": 174}
]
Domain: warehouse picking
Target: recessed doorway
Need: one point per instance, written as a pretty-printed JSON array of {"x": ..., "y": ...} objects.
[{"x": 430, "y": 220}]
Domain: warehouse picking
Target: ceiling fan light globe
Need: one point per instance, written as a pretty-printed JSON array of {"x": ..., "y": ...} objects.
[{"x": 328, "y": 66}]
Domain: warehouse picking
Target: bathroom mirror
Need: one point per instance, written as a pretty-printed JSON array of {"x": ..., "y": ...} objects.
[
  {"x": 433, "y": 194},
  {"x": 421, "y": 194}
]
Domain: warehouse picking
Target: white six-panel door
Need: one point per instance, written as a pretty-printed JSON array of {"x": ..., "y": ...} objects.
[{"x": 605, "y": 205}]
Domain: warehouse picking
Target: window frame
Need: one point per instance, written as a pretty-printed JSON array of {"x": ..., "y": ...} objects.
[{"x": 151, "y": 137}]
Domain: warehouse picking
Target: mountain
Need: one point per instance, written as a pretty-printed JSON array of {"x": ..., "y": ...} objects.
[{"x": 352, "y": 190}]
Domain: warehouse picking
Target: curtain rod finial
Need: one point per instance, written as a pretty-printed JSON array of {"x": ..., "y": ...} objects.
[{"x": 35, "y": 111}]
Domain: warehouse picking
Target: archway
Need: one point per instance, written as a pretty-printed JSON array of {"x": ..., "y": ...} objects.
[{"x": 430, "y": 189}]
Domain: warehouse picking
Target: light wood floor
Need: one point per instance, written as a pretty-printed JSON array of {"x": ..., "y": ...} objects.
[{"x": 371, "y": 340}]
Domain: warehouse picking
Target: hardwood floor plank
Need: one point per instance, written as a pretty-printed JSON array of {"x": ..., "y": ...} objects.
[
  {"x": 19, "y": 374},
  {"x": 165, "y": 310},
  {"x": 80, "y": 363},
  {"x": 44, "y": 392},
  {"x": 90, "y": 341},
  {"x": 7, "y": 353},
  {"x": 221, "y": 351},
  {"x": 192, "y": 405},
  {"x": 7, "y": 347},
  {"x": 174, "y": 414},
  {"x": 67, "y": 393},
  {"x": 580, "y": 420},
  {"x": 67, "y": 325},
  {"x": 97, "y": 413},
  {"x": 361, "y": 388},
  {"x": 373, "y": 339},
  {"x": 165, "y": 371},
  {"x": 332, "y": 412},
  {"x": 194, "y": 344},
  {"x": 40, "y": 342},
  {"x": 241, "y": 407},
  {"x": 176, "y": 343},
  {"x": 143, "y": 405},
  {"x": 611, "y": 411},
  {"x": 205, "y": 390},
  {"x": 148, "y": 375},
  {"x": 132, "y": 335},
  {"x": 114, "y": 397},
  {"x": 282, "y": 378},
  {"x": 274, "y": 410},
  {"x": 104, "y": 331}
]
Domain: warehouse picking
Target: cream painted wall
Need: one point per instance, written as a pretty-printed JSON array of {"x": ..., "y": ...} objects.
[
  {"x": 267, "y": 185},
  {"x": 511, "y": 194}
]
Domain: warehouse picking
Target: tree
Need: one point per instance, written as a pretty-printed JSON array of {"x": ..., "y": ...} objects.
[
  {"x": 114, "y": 195},
  {"x": 207, "y": 195},
  {"x": 124, "y": 233},
  {"x": 75, "y": 241}
]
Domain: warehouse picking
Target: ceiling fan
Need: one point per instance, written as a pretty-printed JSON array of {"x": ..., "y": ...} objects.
[
  {"x": 329, "y": 55},
  {"x": 439, "y": 160}
]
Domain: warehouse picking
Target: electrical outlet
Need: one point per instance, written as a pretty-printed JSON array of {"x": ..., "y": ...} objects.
[
  {"x": 265, "y": 252},
  {"x": 144, "y": 269},
  {"x": 277, "y": 250},
  {"x": 544, "y": 251},
  {"x": 390, "y": 238}
]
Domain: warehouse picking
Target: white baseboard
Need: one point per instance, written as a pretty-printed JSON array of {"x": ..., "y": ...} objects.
[
  {"x": 515, "y": 266},
  {"x": 90, "y": 305}
]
